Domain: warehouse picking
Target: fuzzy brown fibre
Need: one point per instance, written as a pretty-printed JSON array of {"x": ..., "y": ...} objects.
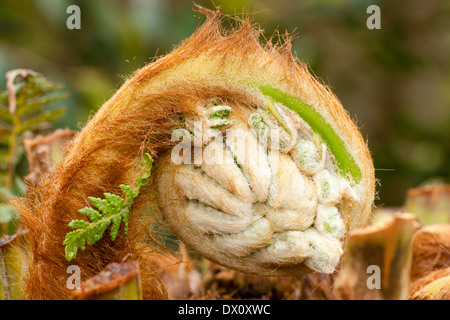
[
  {"x": 431, "y": 250},
  {"x": 139, "y": 118},
  {"x": 434, "y": 286}
]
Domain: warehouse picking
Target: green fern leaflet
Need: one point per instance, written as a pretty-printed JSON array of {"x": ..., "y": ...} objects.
[{"x": 111, "y": 210}]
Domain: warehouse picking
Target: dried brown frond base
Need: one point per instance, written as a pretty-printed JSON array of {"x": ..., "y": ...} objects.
[
  {"x": 12, "y": 253},
  {"x": 118, "y": 281},
  {"x": 430, "y": 271},
  {"x": 45, "y": 152},
  {"x": 431, "y": 203},
  {"x": 431, "y": 250},
  {"x": 386, "y": 247},
  {"x": 434, "y": 286}
]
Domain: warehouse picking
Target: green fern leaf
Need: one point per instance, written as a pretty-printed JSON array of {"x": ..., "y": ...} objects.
[
  {"x": 76, "y": 224},
  {"x": 101, "y": 204},
  {"x": 125, "y": 217},
  {"x": 115, "y": 227},
  {"x": 35, "y": 105},
  {"x": 33, "y": 94},
  {"x": 93, "y": 214},
  {"x": 73, "y": 241},
  {"x": 147, "y": 163},
  {"x": 47, "y": 116},
  {"x": 113, "y": 209},
  {"x": 127, "y": 191}
]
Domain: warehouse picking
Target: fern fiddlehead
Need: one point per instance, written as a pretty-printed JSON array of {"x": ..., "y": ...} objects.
[{"x": 243, "y": 213}]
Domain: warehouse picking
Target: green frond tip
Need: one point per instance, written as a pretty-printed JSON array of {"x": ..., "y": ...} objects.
[
  {"x": 147, "y": 164},
  {"x": 113, "y": 209},
  {"x": 344, "y": 160}
]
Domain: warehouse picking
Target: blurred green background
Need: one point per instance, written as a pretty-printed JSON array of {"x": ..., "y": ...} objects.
[{"x": 395, "y": 82}]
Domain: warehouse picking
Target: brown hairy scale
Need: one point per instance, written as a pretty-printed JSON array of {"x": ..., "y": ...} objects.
[{"x": 139, "y": 118}]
